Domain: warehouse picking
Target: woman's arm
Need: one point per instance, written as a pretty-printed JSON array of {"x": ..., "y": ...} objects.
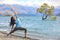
[{"x": 12, "y": 27}]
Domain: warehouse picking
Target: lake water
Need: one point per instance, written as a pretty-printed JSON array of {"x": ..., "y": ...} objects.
[{"x": 34, "y": 25}]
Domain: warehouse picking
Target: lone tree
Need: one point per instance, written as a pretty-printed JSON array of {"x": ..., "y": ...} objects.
[{"x": 46, "y": 10}]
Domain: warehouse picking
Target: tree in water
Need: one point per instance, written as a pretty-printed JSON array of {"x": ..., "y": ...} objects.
[{"x": 46, "y": 10}]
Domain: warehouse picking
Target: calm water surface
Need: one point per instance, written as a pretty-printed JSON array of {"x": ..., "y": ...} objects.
[{"x": 34, "y": 25}]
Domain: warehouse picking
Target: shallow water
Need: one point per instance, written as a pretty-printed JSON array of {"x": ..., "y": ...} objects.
[{"x": 34, "y": 25}]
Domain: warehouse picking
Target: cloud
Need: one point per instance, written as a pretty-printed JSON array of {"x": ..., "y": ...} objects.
[
  {"x": 33, "y": 3},
  {"x": 36, "y": 3},
  {"x": 1, "y": 0},
  {"x": 8, "y": 2}
]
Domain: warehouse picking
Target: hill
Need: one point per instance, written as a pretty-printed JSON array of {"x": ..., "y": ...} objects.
[
  {"x": 22, "y": 10},
  {"x": 5, "y": 9}
]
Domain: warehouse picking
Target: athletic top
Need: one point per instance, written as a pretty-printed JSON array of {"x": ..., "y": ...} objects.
[{"x": 18, "y": 23}]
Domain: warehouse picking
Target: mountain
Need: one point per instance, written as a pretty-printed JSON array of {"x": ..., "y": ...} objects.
[
  {"x": 5, "y": 9},
  {"x": 58, "y": 14},
  {"x": 57, "y": 10},
  {"x": 22, "y": 10}
]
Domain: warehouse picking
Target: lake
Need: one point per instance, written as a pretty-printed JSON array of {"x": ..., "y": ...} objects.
[{"x": 35, "y": 25}]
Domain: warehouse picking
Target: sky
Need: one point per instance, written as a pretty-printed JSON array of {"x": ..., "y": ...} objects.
[{"x": 33, "y": 3}]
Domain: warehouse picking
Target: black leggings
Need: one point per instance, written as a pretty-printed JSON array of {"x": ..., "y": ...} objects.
[{"x": 20, "y": 28}]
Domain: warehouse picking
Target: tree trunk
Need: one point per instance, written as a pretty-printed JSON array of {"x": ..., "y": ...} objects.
[{"x": 44, "y": 17}]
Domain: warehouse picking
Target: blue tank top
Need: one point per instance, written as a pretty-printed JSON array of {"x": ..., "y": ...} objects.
[{"x": 18, "y": 23}]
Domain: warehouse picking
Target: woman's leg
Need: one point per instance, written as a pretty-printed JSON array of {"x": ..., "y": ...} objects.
[
  {"x": 24, "y": 30},
  {"x": 12, "y": 31}
]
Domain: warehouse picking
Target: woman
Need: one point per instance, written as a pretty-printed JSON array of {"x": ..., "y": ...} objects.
[{"x": 17, "y": 21}]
